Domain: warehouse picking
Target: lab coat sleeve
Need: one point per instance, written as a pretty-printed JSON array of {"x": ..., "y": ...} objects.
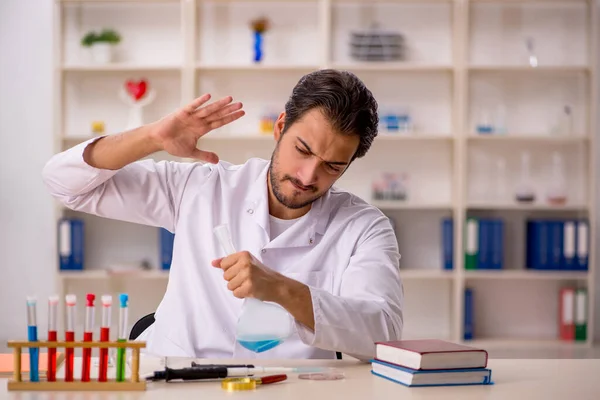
[
  {"x": 144, "y": 192},
  {"x": 369, "y": 305}
]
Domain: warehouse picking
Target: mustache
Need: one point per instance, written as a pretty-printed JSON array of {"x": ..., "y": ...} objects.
[{"x": 298, "y": 183}]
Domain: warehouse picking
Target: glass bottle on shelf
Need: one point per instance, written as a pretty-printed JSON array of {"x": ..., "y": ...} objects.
[
  {"x": 564, "y": 123},
  {"x": 484, "y": 123},
  {"x": 500, "y": 182},
  {"x": 500, "y": 125},
  {"x": 531, "y": 55},
  {"x": 524, "y": 190},
  {"x": 557, "y": 189},
  {"x": 404, "y": 120}
]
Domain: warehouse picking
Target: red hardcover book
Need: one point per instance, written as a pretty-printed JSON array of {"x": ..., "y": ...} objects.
[{"x": 430, "y": 354}]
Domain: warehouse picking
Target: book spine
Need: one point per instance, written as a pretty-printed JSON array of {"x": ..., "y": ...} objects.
[
  {"x": 581, "y": 299},
  {"x": 166, "y": 248},
  {"x": 469, "y": 326},
  {"x": 530, "y": 249},
  {"x": 556, "y": 244},
  {"x": 447, "y": 243},
  {"x": 582, "y": 246},
  {"x": 543, "y": 245},
  {"x": 64, "y": 244},
  {"x": 485, "y": 243},
  {"x": 78, "y": 238},
  {"x": 71, "y": 244},
  {"x": 566, "y": 310},
  {"x": 471, "y": 243},
  {"x": 568, "y": 254},
  {"x": 497, "y": 244}
]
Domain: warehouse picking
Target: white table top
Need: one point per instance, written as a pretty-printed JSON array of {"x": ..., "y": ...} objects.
[{"x": 513, "y": 380}]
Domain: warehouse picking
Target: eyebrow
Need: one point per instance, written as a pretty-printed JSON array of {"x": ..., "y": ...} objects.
[{"x": 311, "y": 152}]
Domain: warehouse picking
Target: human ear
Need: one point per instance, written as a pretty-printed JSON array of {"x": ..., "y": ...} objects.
[{"x": 279, "y": 125}]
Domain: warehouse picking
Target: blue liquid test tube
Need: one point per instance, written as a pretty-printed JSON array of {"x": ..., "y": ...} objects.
[{"x": 32, "y": 337}]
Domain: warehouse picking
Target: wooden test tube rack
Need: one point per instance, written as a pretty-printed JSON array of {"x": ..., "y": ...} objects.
[{"x": 134, "y": 383}]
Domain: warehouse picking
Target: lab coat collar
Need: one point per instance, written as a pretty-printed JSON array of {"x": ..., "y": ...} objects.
[{"x": 302, "y": 234}]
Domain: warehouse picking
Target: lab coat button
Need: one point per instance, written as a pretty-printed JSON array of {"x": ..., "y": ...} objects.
[
  {"x": 310, "y": 241},
  {"x": 250, "y": 211},
  {"x": 263, "y": 251}
]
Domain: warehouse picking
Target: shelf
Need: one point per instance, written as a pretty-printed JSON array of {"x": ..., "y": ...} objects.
[
  {"x": 115, "y": 1},
  {"x": 464, "y": 59},
  {"x": 256, "y": 67},
  {"x": 394, "y": 1},
  {"x": 253, "y": 1},
  {"x": 105, "y": 274},
  {"x": 399, "y": 205},
  {"x": 530, "y": 70},
  {"x": 412, "y": 137},
  {"x": 526, "y": 274},
  {"x": 530, "y": 1},
  {"x": 424, "y": 274},
  {"x": 215, "y": 136},
  {"x": 525, "y": 207},
  {"x": 392, "y": 67},
  {"x": 527, "y": 138},
  {"x": 522, "y": 343},
  {"x": 120, "y": 67}
]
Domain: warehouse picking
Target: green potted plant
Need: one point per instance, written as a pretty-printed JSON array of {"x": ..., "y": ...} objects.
[{"x": 101, "y": 44}]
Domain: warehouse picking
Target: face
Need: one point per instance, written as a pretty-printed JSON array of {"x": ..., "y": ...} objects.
[{"x": 308, "y": 159}]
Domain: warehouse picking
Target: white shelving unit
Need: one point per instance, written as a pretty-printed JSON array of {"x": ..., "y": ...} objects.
[{"x": 463, "y": 58}]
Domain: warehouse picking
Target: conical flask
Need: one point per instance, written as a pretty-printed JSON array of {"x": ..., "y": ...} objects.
[
  {"x": 524, "y": 190},
  {"x": 261, "y": 325},
  {"x": 557, "y": 190}
]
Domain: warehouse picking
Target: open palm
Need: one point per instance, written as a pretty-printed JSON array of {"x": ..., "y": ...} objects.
[{"x": 178, "y": 133}]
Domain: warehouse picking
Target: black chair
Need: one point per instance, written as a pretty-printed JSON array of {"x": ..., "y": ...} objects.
[{"x": 143, "y": 323}]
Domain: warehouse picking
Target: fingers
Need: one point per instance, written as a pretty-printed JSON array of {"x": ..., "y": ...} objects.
[
  {"x": 211, "y": 108},
  {"x": 227, "y": 119},
  {"x": 230, "y": 273},
  {"x": 243, "y": 257},
  {"x": 206, "y": 156},
  {"x": 237, "y": 280},
  {"x": 223, "y": 112},
  {"x": 244, "y": 290},
  {"x": 190, "y": 108}
]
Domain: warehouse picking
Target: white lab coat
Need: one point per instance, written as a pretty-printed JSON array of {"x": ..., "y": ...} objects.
[{"x": 344, "y": 249}]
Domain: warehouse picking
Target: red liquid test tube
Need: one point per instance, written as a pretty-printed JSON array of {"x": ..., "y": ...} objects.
[
  {"x": 104, "y": 337},
  {"x": 52, "y": 337},
  {"x": 71, "y": 301},
  {"x": 88, "y": 334}
]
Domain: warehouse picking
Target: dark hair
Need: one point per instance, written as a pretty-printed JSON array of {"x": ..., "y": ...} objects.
[{"x": 344, "y": 100}]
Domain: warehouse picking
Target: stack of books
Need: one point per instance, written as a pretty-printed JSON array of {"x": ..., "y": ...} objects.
[{"x": 431, "y": 362}]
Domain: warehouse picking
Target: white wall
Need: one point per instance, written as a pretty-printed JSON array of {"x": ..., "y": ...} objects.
[{"x": 26, "y": 221}]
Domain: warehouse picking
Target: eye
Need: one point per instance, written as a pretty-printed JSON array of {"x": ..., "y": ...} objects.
[
  {"x": 302, "y": 151},
  {"x": 333, "y": 169}
]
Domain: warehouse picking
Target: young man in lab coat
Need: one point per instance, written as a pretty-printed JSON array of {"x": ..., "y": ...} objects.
[{"x": 326, "y": 256}]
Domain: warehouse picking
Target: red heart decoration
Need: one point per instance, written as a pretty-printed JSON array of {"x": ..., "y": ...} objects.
[{"x": 136, "y": 89}]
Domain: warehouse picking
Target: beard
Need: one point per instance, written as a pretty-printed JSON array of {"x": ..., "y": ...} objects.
[{"x": 296, "y": 200}]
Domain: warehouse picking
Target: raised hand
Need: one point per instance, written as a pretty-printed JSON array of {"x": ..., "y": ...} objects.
[{"x": 178, "y": 132}]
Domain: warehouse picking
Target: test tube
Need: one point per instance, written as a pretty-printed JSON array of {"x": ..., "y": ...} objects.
[
  {"x": 52, "y": 337},
  {"x": 104, "y": 336},
  {"x": 32, "y": 337},
  {"x": 71, "y": 301},
  {"x": 88, "y": 334},
  {"x": 122, "y": 336}
]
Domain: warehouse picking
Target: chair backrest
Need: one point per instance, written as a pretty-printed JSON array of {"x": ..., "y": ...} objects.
[{"x": 143, "y": 323}]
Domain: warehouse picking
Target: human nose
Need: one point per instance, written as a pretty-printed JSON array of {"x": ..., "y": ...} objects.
[{"x": 307, "y": 174}]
